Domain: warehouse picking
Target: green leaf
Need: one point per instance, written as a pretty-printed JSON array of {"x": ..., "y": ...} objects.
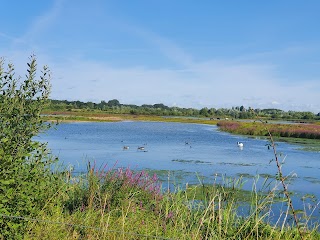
[{"x": 6, "y": 182}]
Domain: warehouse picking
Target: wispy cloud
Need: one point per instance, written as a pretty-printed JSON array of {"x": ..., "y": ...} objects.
[
  {"x": 40, "y": 24},
  {"x": 6, "y": 36},
  {"x": 163, "y": 45}
]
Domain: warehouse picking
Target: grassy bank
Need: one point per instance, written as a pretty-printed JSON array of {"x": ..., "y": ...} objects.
[
  {"x": 302, "y": 143},
  {"x": 310, "y": 131},
  {"x": 105, "y": 117},
  {"x": 307, "y": 135},
  {"x": 122, "y": 204}
]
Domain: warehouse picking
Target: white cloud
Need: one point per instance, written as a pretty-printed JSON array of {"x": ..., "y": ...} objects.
[{"x": 211, "y": 84}]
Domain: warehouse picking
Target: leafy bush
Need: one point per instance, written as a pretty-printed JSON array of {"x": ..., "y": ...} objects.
[{"x": 24, "y": 163}]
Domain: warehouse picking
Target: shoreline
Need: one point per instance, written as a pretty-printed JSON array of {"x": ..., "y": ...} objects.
[
  {"x": 122, "y": 117},
  {"x": 304, "y": 144}
]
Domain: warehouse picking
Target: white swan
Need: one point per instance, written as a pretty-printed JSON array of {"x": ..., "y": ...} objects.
[{"x": 240, "y": 144}]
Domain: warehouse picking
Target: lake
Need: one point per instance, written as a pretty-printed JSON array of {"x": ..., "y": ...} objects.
[{"x": 181, "y": 152}]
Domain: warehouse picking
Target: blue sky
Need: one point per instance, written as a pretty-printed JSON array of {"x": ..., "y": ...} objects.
[{"x": 262, "y": 54}]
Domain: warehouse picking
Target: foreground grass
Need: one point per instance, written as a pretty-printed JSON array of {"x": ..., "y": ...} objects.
[{"x": 121, "y": 204}]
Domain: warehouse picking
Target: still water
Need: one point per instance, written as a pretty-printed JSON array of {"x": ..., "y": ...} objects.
[{"x": 191, "y": 151}]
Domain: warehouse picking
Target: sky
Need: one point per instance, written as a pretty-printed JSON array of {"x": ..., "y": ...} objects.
[{"x": 209, "y": 53}]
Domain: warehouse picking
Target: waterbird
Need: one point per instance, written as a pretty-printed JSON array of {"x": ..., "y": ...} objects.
[
  {"x": 240, "y": 144},
  {"x": 140, "y": 148},
  {"x": 125, "y": 147}
]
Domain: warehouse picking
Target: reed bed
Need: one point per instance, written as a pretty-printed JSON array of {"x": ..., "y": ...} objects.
[
  {"x": 123, "y": 204},
  {"x": 310, "y": 131}
]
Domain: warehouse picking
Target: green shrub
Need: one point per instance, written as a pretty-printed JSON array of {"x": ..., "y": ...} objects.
[{"x": 24, "y": 163}]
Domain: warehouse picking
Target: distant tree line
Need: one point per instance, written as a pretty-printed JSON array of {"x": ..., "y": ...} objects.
[{"x": 239, "y": 112}]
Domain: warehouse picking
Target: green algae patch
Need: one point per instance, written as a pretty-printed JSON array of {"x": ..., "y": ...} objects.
[
  {"x": 225, "y": 193},
  {"x": 191, "y": 161},
  {"x": 302, "y": 143}
]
